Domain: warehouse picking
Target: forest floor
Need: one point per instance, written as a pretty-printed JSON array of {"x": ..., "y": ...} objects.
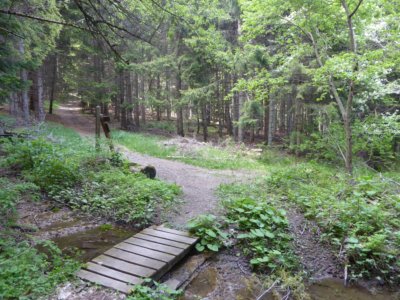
[
  {"x": 226, "y": 275},
  {"x": 199, "y": 187}
]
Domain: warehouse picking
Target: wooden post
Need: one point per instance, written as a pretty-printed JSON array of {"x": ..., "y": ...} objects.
[{"x": 97, "y": 128}]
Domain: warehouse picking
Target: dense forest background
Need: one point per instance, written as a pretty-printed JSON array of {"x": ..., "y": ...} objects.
[{"x": 319, "y": 78}]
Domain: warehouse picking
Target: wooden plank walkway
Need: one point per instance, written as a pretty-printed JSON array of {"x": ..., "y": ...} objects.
[{"x": 148, "y": 254}]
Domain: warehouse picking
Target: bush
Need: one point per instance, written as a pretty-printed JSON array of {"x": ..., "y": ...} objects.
[
  {"x": 44, "y": 163},
  {"x": 208, "y": 229},
  {"x": 263, "y": 233},
  {"x": 120, "y": 195}
]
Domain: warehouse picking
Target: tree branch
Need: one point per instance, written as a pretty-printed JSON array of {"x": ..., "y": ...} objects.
[
  {"x": 18, "y": 14},
  {"x": 355, "y": 10}
]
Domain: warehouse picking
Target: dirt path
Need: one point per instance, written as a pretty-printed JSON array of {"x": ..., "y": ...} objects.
[{"x": 198, "y": 184}]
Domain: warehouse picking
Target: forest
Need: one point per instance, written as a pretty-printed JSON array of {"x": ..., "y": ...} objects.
[{"x": 273, "y": 127}]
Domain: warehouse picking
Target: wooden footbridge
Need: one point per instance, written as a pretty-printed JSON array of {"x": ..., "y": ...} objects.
[{"x": 148, "y": 254}]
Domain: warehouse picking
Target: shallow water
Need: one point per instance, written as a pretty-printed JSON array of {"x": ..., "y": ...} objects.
[
  {"x": 205, "y": 286},
  {"x": 333, "y": 289},
  {"x": 88, "y": 244}
]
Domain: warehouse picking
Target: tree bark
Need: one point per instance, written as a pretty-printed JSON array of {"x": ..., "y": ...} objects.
[
  {"x": 24, "y": 93},
  {"x": 271, "y": 120},
  {"x": 53, "y": 83},
  {"x": 37, "y": 94},
  {"x": 136, "y": 107},
  {"x": 179, "y": 110}
]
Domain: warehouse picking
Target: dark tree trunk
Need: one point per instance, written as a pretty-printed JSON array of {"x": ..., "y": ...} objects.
[
  {"x": 136, "y": 107},
  {"x": 53, "y": 82}
]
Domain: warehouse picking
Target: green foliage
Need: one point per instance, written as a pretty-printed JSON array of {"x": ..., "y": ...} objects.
[
  {"x": 361, "y": 217},
  {"x": 26, "y": 273},
  {"x": 159, "y": 292},
  {"x": 151, "y": 145},
  {"x": 374, "y": 141},
  {"x": 263, "y": 233},
  {"x": 10, "y": 194},
  {"x": 69, "y": 170},
  {"x": 43, "y": 162},
  {"x": 229, "y": 156},
  {"x": 120, "y": 195},
  {"x": 208, "y": 229}
]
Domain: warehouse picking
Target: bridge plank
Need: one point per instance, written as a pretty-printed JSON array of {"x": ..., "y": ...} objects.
[
  {"x": 105, "y": 281},
  {"x": 160, "y": 240},
  {"x": 169, "y": 230},
  {"x": 170, "y": 236},
  {"x": 102, "y": 270},
  {"x": 124, "y": 266},
  {"x": 154, "y": 246},
  {"x": 145, "y": 252},
  {"x": 148, "y": 254},
  {"x": 135, "y": 259}
]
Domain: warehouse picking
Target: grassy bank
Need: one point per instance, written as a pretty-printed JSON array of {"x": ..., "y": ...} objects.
[{"x": 359, "y": 217}]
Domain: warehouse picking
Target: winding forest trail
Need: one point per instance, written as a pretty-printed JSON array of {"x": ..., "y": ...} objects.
[{"x": 198, "y": 184}]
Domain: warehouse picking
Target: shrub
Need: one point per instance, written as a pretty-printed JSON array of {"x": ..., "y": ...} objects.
[
  {"x": 263, "y": 233},
  {"x": 208, "y": 229}
]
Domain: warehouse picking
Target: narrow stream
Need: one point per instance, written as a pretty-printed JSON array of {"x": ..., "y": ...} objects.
[{"x": 88, "y": 244}]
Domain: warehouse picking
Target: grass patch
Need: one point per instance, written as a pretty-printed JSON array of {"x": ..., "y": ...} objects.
[
  {"x": 206, "y": 156},
  {"x": 143, "y": 143}
]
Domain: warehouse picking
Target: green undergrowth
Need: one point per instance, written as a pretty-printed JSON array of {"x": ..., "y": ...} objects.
[
  {"x": 27, "y": 273},
  {"x": 156, "y": 292},
  {"x": 227, "y": 156},
  {"x": 70, "y": 171},
  {"x": 259, "y": 230},
  {"x": 143, "y": 143},
  {"x": 360, "y": 218},
  {"x": 55, "y": 163}
]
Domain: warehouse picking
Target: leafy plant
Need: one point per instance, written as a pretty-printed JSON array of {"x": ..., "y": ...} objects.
[
  {"x": 159, "y": 292},
  {"x": 263, "y": 233},
  {"x": 208, "y": 229}
]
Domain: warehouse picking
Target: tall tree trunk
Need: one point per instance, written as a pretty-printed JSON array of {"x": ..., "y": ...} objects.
[
  {"x": 240, "y": 125},
  {"x": 236, "y": 111},
  {"x": 136, "y": 106},
  {"x": 220, "y": 105},
  {"x": 271, "y": 120},
  {"x": 204, "y": 121},
  {"x": 158, "y": 108},
  {"x": 167, "y": 95},
  {"x": 124, "y": 121},
  {"x": 179, "y": 109},
  {"x": 37, "y": 94},
  {"x": 53, "y": 82},
  {"x": 142, "y": 99},
  {"x": 228, "y": 120},
  {"x": 266, "y": 120},
  {"x": 24, "y": 93},
  {"x": 129, "y": 99}
]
